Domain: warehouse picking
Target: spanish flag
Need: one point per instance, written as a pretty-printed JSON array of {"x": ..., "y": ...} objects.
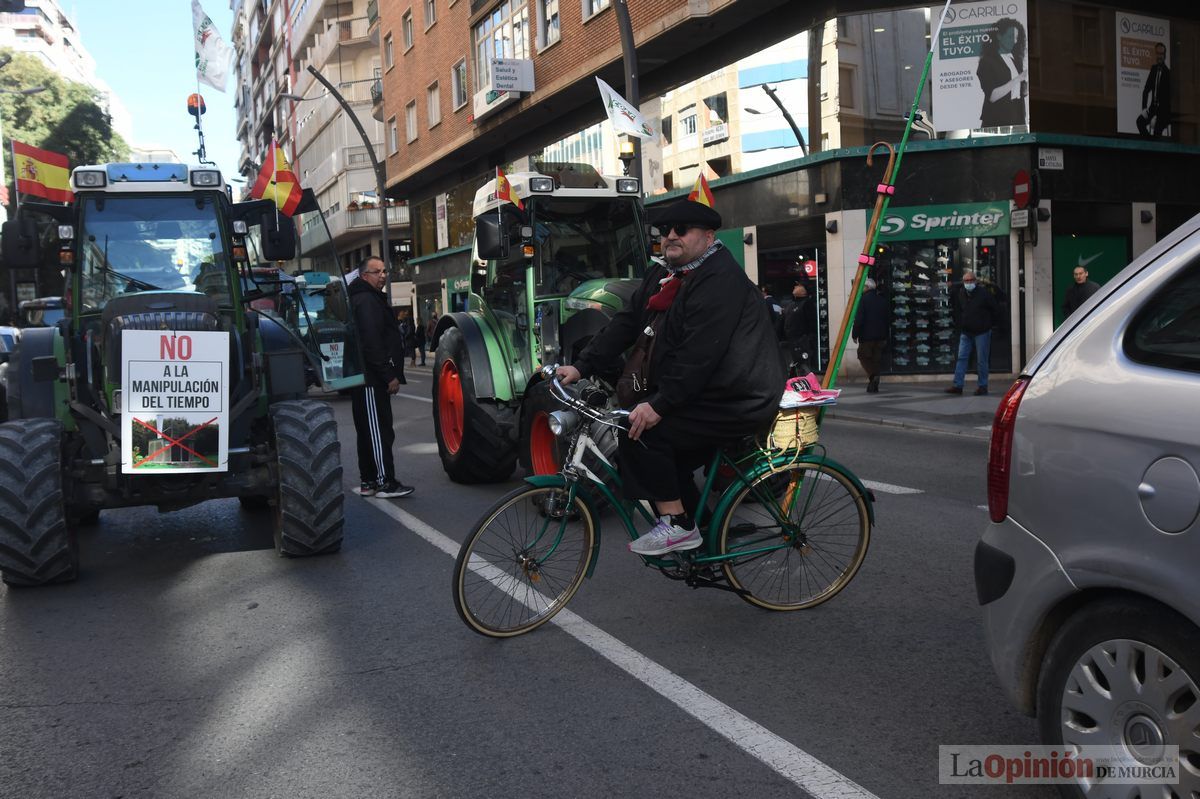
[
  {"x": 504, "y": 190},
  {"x": 701, "y": 193},
  {"x": 276, "y": 181},
  {"x": 42, "y": 173}
]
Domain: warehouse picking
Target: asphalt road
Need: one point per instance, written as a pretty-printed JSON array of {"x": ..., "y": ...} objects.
[{"x": 189, "y": 661}]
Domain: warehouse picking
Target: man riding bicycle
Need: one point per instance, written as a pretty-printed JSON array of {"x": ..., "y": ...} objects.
[{"x": 708, "y": 371}]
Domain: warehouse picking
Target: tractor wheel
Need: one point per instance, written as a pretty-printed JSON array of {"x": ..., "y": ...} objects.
[
  {"x": 472, "y": 436},
  {"x": 36, "y": 544},
  {"x": 308, "y": 514},
  {"x": 542, "y": 453}
]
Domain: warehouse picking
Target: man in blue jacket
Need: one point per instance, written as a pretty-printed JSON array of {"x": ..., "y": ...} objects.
[{"x": 383, "y": 368}]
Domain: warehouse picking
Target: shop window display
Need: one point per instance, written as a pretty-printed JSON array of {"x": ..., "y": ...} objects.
[{"x": 918, "y": 279}]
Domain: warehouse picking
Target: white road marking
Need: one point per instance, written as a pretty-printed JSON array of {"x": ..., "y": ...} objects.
[
  {"x": 888, "y": 488},
  {"x": 417, "y": 397},
  {"x": 785, "y": 759}
]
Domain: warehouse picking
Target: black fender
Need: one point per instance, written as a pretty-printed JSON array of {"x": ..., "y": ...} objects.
[
  {"x": 476, "y": 350},
  {"x": 29, "y": 398}
]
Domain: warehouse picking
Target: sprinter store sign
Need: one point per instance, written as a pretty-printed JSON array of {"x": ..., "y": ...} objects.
[{"x": 963, "y": 220}]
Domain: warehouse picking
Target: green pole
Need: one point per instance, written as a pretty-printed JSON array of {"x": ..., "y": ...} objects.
[{"x": 881, "y": 206}]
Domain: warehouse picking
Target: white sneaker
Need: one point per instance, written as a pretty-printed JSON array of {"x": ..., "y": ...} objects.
[{"x": 665, "y": 537}]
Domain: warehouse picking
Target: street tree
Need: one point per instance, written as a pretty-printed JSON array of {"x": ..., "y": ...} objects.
[{"x": 67, "y": 117}]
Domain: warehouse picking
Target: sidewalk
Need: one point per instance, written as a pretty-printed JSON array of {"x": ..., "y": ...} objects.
[{"x": 922, "y": 406}]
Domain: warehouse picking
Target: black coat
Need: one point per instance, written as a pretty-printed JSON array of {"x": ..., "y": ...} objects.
[
  {"x": 378, "y": 334},
  {"x": 975, "y": 312},
  {"x": 717, "y": 363},
  {"x": 800, "y": 322},
  {"x": 871, "y": 321},
  {"x": 1077, "y": 295}
]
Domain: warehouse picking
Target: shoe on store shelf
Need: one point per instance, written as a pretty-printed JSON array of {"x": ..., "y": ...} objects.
[
  {"x": 392, "y": 489},
  {"x": 665, "y": 537}
]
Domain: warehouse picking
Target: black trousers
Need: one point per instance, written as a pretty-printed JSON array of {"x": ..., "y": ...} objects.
[
  {"x": 660, "y": 465},
  {"x": 372, "y": 409}
]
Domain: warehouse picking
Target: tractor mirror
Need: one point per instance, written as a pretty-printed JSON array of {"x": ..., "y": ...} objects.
[
  {"x": 20, "y": 245},
  {"x": 278, "y": 237},
  {"x": 491, "y": 238}
]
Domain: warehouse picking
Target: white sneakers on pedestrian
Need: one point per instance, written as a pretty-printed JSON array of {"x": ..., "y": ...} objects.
[{"x": 665, "y": 537}]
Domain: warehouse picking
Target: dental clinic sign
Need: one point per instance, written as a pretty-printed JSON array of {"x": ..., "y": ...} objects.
[{"x": 964, "y": 220}]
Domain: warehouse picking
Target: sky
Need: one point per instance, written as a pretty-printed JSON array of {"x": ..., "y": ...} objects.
[{"x": 143, "y": 51}]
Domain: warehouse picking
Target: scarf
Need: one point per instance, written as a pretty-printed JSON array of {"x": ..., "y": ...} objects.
[{"x": 669, "y": 286}]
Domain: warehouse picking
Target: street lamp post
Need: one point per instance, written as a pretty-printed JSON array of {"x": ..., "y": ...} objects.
[
  {"x": 629, "y": 52},
  {"x": 380, "y": 174}
]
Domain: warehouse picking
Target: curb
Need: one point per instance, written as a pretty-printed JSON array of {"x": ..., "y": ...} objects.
[{"x": 911, "y": 424}]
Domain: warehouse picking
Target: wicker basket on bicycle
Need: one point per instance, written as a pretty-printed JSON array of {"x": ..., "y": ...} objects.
[{"x": 795, "y": 426}]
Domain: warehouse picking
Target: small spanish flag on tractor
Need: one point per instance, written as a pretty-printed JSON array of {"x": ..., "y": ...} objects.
[
  {"x": 701, "y": 193},
  {"x": 504, "y": 190},
  {"x": 42, "y": 173},
  {"x": 276, "y": 181}
]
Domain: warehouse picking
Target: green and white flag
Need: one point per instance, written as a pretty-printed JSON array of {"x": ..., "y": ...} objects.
[
  {"x": 212, "y": 54},
  {"x": 624, "y": 117}
]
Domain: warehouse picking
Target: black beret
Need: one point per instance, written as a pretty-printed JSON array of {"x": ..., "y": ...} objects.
[{"x": 686, "y": 212}]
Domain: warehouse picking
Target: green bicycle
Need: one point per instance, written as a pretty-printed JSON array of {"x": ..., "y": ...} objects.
[{"x": 788, "y": 532}]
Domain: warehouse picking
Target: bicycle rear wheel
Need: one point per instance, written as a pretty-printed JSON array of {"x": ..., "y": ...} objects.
[
  {"x": 523, "y": 561},
  {"x": 813, "y": 554}
]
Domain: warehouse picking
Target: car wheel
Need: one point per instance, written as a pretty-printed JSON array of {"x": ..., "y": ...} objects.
[{"x": 1124, "y": 674}]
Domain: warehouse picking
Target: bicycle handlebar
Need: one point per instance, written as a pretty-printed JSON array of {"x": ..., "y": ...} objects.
[{"x": 617, "y": 416}]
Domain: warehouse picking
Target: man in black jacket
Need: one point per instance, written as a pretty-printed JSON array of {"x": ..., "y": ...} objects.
[
  {"x": 1079, "y": 292},
  {"x": 800, "y": 330},
  {"x": 714, "y": 375},
  {"x": 383, "y": 369},
  {"x": 975, "y": 314},
  {"x": 870, "y": 331}
]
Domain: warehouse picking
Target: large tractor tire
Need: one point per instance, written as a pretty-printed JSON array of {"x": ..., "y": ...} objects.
[
  {"x": 472, "y": 436},
  {"x": 36, "y": 544},
  {"x": 542, "y": 452},
  {"x": 308, "y": 512}
]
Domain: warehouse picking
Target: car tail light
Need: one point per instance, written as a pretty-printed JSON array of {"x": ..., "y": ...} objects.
[{"x": 1000, "y": 453}]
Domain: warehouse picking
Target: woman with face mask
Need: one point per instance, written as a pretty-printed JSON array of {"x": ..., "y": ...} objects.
[{"x": 975, "y": 314}]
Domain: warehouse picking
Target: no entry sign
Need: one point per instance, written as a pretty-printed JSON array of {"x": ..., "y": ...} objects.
[{"x": 1021, "y": 188}]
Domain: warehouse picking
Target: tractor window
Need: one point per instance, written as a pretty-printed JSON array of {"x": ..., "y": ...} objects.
[
  {"x": 148, "y": 243},
  {"x": 578, "y": 240}
]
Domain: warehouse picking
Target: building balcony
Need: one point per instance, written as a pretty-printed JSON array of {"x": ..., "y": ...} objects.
[
  {"x": 347, "y": 221},
  {"x": 372, "y": 12},
  {"x": 340, "y": 33},
  {"x": 303, "y": 24},
  {"x": 357, "y": 94}
]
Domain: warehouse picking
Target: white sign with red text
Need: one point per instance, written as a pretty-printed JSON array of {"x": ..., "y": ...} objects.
[{"x": 174, "y": 401}]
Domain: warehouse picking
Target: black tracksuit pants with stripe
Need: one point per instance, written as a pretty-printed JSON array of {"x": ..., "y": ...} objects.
[{"x": 372, "y": 408}]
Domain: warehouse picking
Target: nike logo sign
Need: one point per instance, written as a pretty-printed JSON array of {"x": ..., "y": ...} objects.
[{"x": 1085, "y": 261}]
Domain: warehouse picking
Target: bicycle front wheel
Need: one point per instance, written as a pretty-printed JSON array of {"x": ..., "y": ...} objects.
[
  {"x": 523, "y": 561},
  {"x": 797, "y": 536}
]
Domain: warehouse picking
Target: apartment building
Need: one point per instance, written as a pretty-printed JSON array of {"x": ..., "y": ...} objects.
[
  {"x": 44, "y": 30},
  {"x": 277, "y": 98}
]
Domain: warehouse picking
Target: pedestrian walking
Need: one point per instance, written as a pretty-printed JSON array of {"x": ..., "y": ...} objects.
[
  {"x": 800, "y": 330},
  {"x": 976, "y": 312},
  {"x": 430, "y": 330},
  {"x": 383, "y": 361},
  {"x": 420, "y": 339},
  {"x": 870, "y": 332},
  {"x": 408, "y": 334}
]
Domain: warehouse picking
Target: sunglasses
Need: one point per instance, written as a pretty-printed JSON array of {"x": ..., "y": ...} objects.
[{"x": 680, "y": 230}]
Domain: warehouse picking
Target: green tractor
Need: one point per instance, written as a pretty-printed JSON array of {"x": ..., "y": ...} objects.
[
  {"x": 545, "y": 279},
  {"x": 162, "y": 385}
]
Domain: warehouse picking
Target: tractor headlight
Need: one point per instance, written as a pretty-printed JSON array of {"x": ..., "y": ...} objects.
[
  {"x": 561, "y": 423},
  {"x": 90, "y": 178},
  {"x": 205, "y": 178},
  {"x": 541, "y": 184},
  {"x": 627, "y": 185}
]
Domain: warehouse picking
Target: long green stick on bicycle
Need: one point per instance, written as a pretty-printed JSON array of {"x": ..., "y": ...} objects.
[{"x": 884, "y": 190}]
